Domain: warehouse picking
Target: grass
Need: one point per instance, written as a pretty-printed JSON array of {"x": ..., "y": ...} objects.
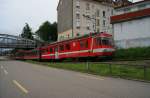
[{"x": 122, "y": 71}]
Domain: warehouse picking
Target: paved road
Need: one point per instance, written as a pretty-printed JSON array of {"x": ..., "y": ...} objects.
[{"x": 24, "y": 80}]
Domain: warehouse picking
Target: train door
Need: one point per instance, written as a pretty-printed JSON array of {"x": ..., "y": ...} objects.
[
  {"x": 92, "y": 44},
  {"x": 56, "y": 52}
]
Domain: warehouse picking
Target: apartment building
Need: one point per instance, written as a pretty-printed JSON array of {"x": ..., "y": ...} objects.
[{"x": 80, "y": 17}]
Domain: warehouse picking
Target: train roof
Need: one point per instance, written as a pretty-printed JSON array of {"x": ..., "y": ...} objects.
[{"x": 103, "y": 34}]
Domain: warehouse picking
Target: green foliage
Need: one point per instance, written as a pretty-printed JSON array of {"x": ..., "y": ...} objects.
[
  {"x": 27, "y": 32},
  {"x": 48, "y": 31},
  {"x": 133, "y": 53}
]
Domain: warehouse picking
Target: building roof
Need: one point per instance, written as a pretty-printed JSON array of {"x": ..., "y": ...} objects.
[
  {"x": 131, "y": 4},
  {"x": 130, "y": 16},
  {"x": 101, "y": 1},
  {"x": 102, "y": 34},
  {"x": 121, "y": 3}
]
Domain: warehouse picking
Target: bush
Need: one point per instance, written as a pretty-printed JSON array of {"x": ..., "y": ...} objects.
[{"x": 133, "y": 53}]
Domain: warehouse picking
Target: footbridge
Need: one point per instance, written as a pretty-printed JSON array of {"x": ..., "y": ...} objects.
[{"x": 11, "y": 41}]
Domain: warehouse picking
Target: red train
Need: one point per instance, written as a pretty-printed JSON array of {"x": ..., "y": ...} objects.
[{"x": 93, "y": 45}]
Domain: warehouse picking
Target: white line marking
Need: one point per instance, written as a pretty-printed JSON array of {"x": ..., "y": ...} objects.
[
  {"x": 90, "y": 77},
  {"x": 20, "y": 87},
  {"x": 5, "y": 71}
]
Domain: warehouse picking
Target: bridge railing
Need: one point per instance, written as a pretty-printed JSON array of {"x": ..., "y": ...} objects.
[{"x": 10, "y": 41}]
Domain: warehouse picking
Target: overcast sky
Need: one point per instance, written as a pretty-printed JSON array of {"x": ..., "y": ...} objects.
[{"x": 15, "y": 13}]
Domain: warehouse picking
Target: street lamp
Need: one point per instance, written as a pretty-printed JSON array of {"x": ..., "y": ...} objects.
[{"x": 94, "y": 23}]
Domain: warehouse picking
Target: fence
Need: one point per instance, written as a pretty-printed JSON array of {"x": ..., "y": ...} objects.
[
  {"x": 120, "y": 70},
  {"x": 141, "y": 72}
]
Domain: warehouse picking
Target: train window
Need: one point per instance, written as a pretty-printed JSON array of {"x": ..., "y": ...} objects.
[
  {"x": 103, "y": 41},
  {"x": 61, "y": 47},
  {"x": 47, "y": 50},
  {"x": 67, "y": 46},
  {"x": 84, "y": 44},
  {"x": 106, "y": 41},
  {"x": 51, "y": 49},
  {"x": 43, "y": 51},
  {"x": 98, "y": 41},
  {"x": 56, "y": 49}
]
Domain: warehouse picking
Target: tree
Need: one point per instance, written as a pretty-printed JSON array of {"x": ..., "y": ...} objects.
[
  {"x": 48, "y": 31},
  {"x": 27, "y": 32}
]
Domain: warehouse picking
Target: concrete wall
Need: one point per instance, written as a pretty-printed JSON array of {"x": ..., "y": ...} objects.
[
  {"x": 65, "y": 35},
  {"x": 132, "y": 33},
  {"x": 64, "y": 13},
  {"x": 139, "y": 42},
  {"x": 133, "y": 8}
]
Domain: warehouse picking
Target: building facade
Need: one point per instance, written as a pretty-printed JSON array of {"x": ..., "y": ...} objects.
[
  {"x": 131, "y": 25},
  {"x": 80, "y": 17}
]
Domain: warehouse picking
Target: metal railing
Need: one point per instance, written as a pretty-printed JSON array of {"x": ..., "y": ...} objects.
[
  {"x": 129, "y": 71},
  {"x": 10, "y": 41}
]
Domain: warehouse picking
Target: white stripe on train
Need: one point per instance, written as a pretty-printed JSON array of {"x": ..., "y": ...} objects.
[{"x": 84, "y": 51}]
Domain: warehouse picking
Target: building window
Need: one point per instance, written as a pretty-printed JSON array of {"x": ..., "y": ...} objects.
[
  {"x": 104, "y": 14},
  {"x": 112, "y": 12},
  {"x": 78, "y": 24},
  {"x": 97, "y": 13},
  {"x": 93, "y": 6},
  {"x": 78, "y": 4},
  {"x": 104, "y": 23},
  {"x": 78, "y": 34},
  {"x": 88, "y": 28},
  {"x": 77, "y": 11},
  {"x": 97, "y": 29},
  {"x": 68, "y": 35},
  {"x": 88, "y": 24},
  {"x": 97, "y": 22},
  {"x": 87, "y": 6},
  {"x": 78, "y": 27},
  {"x": 77, "y": 16}
]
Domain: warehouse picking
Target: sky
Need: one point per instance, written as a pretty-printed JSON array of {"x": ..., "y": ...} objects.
[{"x": 15, "y": 13}]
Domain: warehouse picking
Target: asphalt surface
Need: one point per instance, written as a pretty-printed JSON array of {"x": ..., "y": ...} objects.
[{"x": 23, "y": 80}]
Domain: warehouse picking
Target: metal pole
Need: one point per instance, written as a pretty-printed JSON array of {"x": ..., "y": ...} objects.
[
  {"x": 94, "y": 23},
  {"x": 72, "y": 19},
  {"x": 87, "y": 66},
  {"x": 145, "y": 72},
  {"x": 110, "y": 68}
]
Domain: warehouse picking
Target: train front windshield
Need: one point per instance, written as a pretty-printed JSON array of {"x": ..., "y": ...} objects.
[{"x": 106, "y": 41}]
